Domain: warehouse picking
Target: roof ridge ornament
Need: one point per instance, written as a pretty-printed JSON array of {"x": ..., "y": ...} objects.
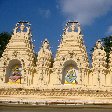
[
  {"x": 99, "y": 44},
  {"x": 46, "y": 40},
  {"x": 45, "y": 44},
  {"x": 22, "y": 26},
  {"x": 72, "y": 26}
]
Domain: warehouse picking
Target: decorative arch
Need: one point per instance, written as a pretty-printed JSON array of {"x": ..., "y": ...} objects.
[
  {"x": 70, "y": 72},
  {"x": 13, "y": 71}
]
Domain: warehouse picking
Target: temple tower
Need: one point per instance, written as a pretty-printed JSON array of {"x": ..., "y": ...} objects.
[
  {"x": 98, "y": 65},
  {"x": 44, "y": 64},
  {"x": 71, "y": 61},
  {"x": 18, "y": 57},
  {"x": 109, "y": 75}
]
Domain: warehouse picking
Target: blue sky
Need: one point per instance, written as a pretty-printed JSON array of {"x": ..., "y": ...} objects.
[{"x": 48, "y": 18}]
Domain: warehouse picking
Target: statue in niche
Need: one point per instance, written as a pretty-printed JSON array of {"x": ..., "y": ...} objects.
[
  {"x": 71, "y": 76},
  {"x": 16, "y": 73},
  {"x": 15, "y": 53}
]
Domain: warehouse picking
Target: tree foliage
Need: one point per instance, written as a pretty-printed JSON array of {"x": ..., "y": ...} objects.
[
  {"x": 107, "y": 41},
  {"x": 4, "y": 39}
]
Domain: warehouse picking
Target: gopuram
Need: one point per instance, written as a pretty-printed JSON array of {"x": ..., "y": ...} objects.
[{"x": 67, "y": 76}]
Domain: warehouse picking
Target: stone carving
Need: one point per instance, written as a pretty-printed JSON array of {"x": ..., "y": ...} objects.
[
  {"x": 15, "y": 30},
  {"x": 99, "y": 44},
  {"x": 21, "y": 26},
  {"x": 99, "y": 64},
  {"x": 16, "y": 51},
  {"x": 44, "y": 61},
  {"x": 42, "y": 70},
  {"x": 45, "y": 54},
  {"x": 72, "y": 27}
]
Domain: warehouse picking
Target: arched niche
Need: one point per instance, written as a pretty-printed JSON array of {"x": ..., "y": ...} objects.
[
  {"x": 69, "y": 72},
  {"x": 13, "y": 70}
]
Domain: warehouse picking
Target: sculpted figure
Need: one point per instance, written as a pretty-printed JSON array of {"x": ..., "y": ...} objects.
[
  {"x": 79, "y": 29},
  {"x": 99, "y": 44},
  {"x": 46, "y": 46},
  {"x": 15, "y": 30},
  {"x": 28, "y": 30},
  {"x": 72, "y": 26},
  {"x": 45, "y": 51},
  {"x": 22, "y": 27}
]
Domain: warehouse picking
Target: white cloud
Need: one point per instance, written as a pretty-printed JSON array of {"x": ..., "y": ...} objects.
[
  {"x": 85, "y": 11},
  {"x": 109, "y": 31},
  {"x": 45, "y": 13}
]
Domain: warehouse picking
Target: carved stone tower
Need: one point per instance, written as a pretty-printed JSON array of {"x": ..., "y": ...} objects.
[
  {"x": 109, "y": 75},
  {"x": 44, "y": 64},
  {"x": 71, "y": 61},
  {"x": 98, "y": 65},
  {"x": 18, "y": 56}
]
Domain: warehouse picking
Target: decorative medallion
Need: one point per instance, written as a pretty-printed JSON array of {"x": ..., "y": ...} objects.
[{"x": 15, "y": 53}]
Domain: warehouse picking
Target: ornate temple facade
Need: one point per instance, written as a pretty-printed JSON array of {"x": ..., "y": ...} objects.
[{"x": 20, "y": 67}]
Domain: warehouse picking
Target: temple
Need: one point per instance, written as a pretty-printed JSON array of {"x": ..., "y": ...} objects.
[{"x": 68, "y": 70}]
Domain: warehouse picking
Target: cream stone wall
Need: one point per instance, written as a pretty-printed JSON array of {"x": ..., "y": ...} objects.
[{"x": 69, "y": 69}]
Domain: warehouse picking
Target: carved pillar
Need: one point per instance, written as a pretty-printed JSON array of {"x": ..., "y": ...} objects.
[{"x": 44, "y": 63}]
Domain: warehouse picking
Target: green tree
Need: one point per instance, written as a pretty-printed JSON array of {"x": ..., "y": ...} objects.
[
  {"x": 107, "y": 41},
  {"x": 4, "y": 39}
]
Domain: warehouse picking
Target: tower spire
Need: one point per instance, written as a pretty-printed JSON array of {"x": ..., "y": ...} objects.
[
  {"x": 72, "y": 54},
  {"x": 19, "y": 51}
]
